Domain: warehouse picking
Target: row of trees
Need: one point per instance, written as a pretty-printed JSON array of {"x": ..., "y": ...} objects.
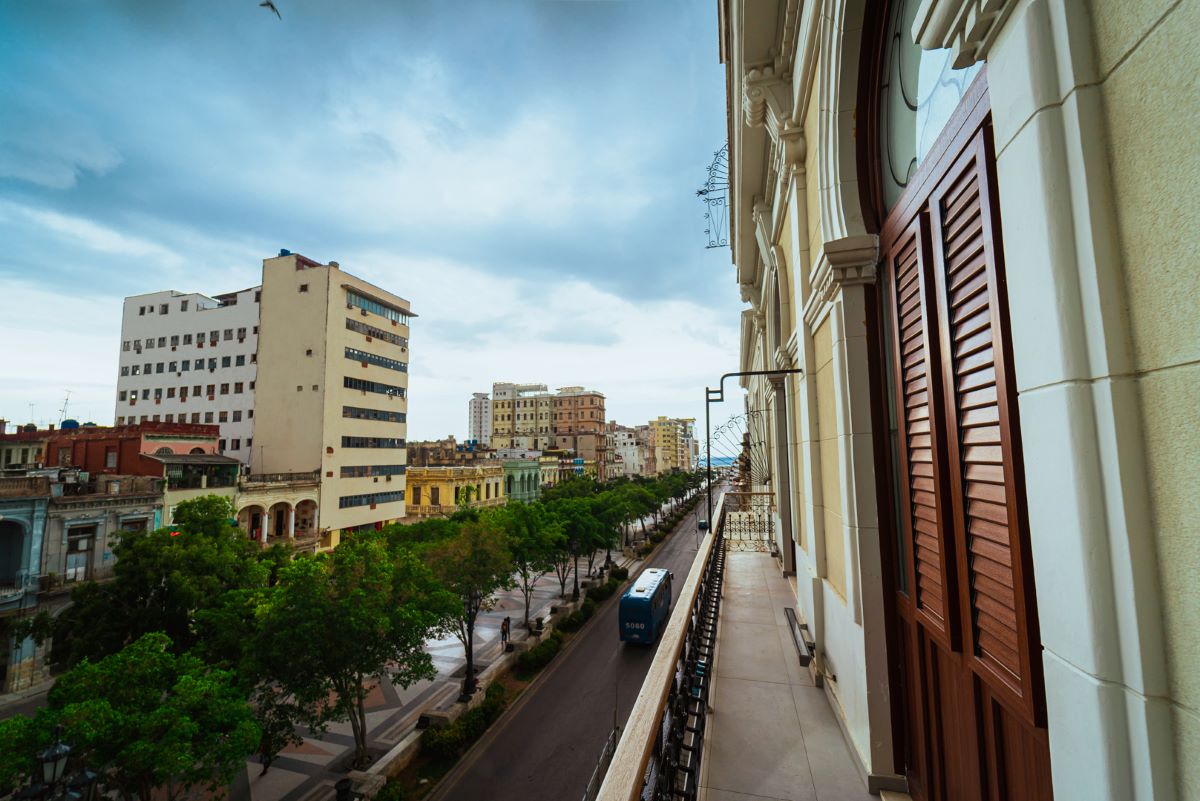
[{"x": 203, "y": 649}]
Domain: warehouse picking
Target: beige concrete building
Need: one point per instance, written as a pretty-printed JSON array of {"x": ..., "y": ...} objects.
[
  {"x": 332, "y": 389},
  {"x": 969, "y": 227}
]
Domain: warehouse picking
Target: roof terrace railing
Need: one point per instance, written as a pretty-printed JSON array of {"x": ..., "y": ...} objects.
[{"x": 658, "y": 756}]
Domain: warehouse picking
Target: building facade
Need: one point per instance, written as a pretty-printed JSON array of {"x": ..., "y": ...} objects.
[
  {"x": 479, "y": 418},
  {"x": 333, "y": 387},
  {"x": 626, "y": 452},
  {"x": 522, "y": 479},
  {"x": 943, "y": 219},
  {"x": 190, "y": 358},
  {"x": 442, "y": 491}
]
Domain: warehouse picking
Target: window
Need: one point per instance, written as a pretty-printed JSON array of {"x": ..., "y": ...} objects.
[
  {"x": 304, "y": 287},
  {"x": 145, "y": 394},
  {"x": 240, "y": 360},
  {"x": 222, "y": 417},
  {"x": 175, "y": 341},
  {"x": 375, "y": 333},
  {"x": 199, "y": 364},
  {"x": 183, "y": 305},
  {"x": 373, "y": 386},
  {"x": 235, "y": 445},
  {"x": 250, "y": 412},
  {"x": 221, "y": 445},
  {"x": 435, "y": 496},
  {"x": 381, "y": 361},
  {"x": 196, "y": 390},
  {"x": 149, "y": 343},
  {"x": 125, "y": 370},
  {"x": 373, "y": 442},
  {"x": 125, "y": 345},
  {"x": 359, "y": 413},
  {"x": 241, "y": 333},
  {"x": 226, "y": 361},
  {"x": 369, "y": 499},
  {"x": 141, "y": 311},
  {"x": 170, "y": 392},
  {"x": 314, "y": 387},
  {"x": 256, "y": 330},
  {"x": 257, "y": 297},
  {"x": 299, "y": 388},
  {"x": 238, "y": 388},
  {"x": 370, "y": 470},
  {"x": 229, "y": 333},
  {"x": 375, "y": 307},
  {"x": 158, "y": 393},
  {"x": 237, "y": 415},
  {"x": 170, "y": 418},
  {"x": 251, "y": 385},
  {"x": 254, "y": 358},
  {"x": 121, "y": 395},
  {"x": 214, "y": 336},
  {"x": 208, "y": 417},
  {"x": 185, "y": 366},
  {"x": 163, "y": 308},
  {"x": 120, "y": 422},
  {"x": 162, "y": 342},
  {"x": 416, "y": 495},
  {"x": 212, "y": 364},
  {"x": 196, "y": 417},
  {"x": 158, "y": 368},
  {"x": 212, "y": 389},
  {"x": 155, "y": 418},
  {"x": 249, "y": 441},
  {"x": 308, "y": 352},
  {"x": 224, "y": 389},
  {"x": 187, "y": 339},
  {"x": 172, "y": 368}
]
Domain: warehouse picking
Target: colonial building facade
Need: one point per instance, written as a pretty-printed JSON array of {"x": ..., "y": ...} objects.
[{"x": 958, "y": 222}]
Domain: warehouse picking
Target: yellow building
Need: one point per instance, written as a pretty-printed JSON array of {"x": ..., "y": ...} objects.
[
  {"x": 332, "y": 389},
  {"x": 440, "y": 491},
  {"x": 673, "y": 443}
]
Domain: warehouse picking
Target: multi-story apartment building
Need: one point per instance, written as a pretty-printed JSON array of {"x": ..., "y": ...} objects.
[
  {"x": 579, "y": 425},
  {"x": 191, "y": 358},
  {"x": 522, "y": 416},
  {"x": 626, "y": 453},
  {"x": 674, "y": 444},
  {"x": 332, "y": 388},
  {"x": 438, "y": 491},
  {"x": 479, "y": 418}
]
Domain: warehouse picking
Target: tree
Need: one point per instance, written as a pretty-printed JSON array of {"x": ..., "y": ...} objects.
[
  {"x": 472, "y": 566},
  {"x": 162, "y": 581},
  {"x": 336, "y": 621},
  {"x": 153, "y": 724},
  {"x": 582, "y": 530},
  {"x": 572, "y": 487},
  {"x": 533, "y": 539}
]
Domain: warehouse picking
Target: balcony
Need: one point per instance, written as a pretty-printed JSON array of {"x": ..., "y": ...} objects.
[
  {"x": 729, "y": 708},
  {"x": 24, "y": 486},
  {"x": 311, "y": 477}
]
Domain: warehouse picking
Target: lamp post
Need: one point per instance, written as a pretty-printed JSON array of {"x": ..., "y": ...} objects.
[
  {"x": 53, "y": 764},
  {"x": 717, "y": 395}
]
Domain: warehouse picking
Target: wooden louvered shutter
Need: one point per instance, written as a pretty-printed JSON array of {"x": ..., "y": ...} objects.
[
  {"x": 919, "y": 403},
  {"x": 982, "y": 436}
]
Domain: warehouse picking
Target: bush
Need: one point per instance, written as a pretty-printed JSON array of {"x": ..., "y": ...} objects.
[
  {"x": 587, "y": 608},
  {"x": 619, "y": 574},
  {"x": 539, "y": 656},
  {"x": 646, "y": 547},
  {"x": 392, "y": 791},
  {"x": 451, "y": 742},
  {"x": 602, "y": 592}
]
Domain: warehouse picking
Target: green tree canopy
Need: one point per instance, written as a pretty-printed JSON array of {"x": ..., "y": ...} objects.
[{"x": 153, "y": 724}]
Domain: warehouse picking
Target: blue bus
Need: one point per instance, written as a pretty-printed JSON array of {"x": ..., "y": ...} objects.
[{"x": 645, "y": 606}]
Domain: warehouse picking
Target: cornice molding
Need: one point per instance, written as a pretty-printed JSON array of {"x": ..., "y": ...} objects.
[
  {"x": 967, "y": 27},
  {"x": 851, "y": 261}
]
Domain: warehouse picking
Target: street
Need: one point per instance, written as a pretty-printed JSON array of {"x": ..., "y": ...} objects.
[{"x": 548, "y": 746}]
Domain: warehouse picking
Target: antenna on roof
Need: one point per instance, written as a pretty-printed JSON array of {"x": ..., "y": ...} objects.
[{"x": 63, "y": 411}]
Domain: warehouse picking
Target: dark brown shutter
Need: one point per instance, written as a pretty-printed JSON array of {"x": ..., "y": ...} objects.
[
  {"x": 987, "y": 519},
  {"x": 919, "y": 409}
]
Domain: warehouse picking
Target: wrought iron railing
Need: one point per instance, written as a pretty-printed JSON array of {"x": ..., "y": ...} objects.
[
  {"x": 749, "y": 521},
  {"x": 658, "y": 757},
  {"x": 281, "y": 478}
]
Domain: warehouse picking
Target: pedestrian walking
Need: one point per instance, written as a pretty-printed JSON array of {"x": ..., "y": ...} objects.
[{"x": 504, "y": 627}]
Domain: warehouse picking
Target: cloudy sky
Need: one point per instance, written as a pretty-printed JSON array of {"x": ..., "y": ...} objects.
[{"x": 524, "y": 171}]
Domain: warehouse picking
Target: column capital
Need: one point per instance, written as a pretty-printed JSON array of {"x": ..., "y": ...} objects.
[{"x": 966, "y": 27}]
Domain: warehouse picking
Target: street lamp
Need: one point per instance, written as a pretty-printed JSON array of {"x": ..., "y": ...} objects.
[
  {"x": 53, "y": 762},
  {"x": 717, "y": 395}
]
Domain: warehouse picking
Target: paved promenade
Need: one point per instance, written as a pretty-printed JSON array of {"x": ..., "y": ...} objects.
[{"x": 772, "y": 734}]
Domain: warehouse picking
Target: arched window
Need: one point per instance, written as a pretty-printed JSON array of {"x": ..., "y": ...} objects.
[
  {"x": 195, "y": 451},
  {"x": 165, "y": 451}
]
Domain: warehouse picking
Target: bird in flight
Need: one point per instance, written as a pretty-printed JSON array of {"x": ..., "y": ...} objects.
[{"x": 268, "y": 4}]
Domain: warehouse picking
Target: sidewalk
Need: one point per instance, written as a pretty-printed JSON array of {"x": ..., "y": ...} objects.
[{"x": 772, "y": 735}]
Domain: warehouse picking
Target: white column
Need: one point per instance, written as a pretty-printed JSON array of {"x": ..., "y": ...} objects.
[
  {"x": 266, "y": 523},
  {"x": 291, "y": 525}
]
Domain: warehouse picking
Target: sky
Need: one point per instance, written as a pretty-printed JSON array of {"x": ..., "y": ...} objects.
[{"x": 523, "y": 171}]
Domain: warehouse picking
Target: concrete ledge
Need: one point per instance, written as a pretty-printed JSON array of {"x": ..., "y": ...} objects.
[{"x": 398, "y": 758}]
